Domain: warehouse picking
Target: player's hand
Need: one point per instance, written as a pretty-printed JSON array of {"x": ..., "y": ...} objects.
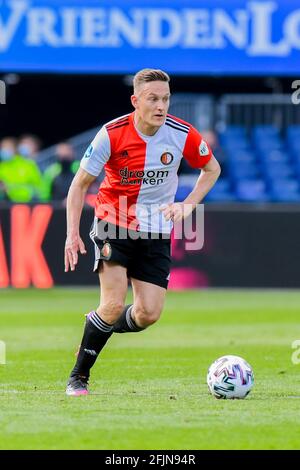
[
  {"x": 176, "y": 211},
  {"x": 72, "y": 246}
]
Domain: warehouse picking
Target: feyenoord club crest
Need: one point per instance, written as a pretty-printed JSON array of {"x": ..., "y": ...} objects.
[
  {"x": 106, "y": 250},
  {"x": 166, "y": 158}
]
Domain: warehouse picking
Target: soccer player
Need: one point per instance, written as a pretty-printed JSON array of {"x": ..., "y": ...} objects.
[{"x": 134, "y": 213}]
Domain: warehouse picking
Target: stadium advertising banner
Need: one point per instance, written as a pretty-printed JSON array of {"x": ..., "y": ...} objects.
[
  {"x": 182, "y": 36},
  {"x": 242, "y": 248}
]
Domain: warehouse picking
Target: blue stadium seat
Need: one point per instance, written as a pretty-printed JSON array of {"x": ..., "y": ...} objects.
[
  {"x": 266, "y": 144},
  {"x": 223, "y": 185},
  {"x": 264, "y": 131},
  {"x": 293, "y": 139},
  {"x": 265, "y": 138},
  {"x": 221, "y": 192},
  {"x": 285, "y": 190},
  {"x": 241, "y": 156},
  {"x": 215, "y": 196},
  {"x": 234, "y": 131},
  {"x": 294, "y": 145},
  {"x": 297, "y": 169},
  {"x": 245, "y": 170},
  {"x": 277, "y": 170},
  {"x": 251, "y": 191},
  {"x": 295, "y": 157},
  {"x": 274, "y": 156},
  {"x": 234, "y": 137},
  {"x": 182, "y": 192},
  {"x": 186, "y": 183},
  {"x": 293, "y": 133},
  {"x": 231, "y": 144}
]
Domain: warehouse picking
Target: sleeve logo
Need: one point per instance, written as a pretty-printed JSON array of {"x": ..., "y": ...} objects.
[
  {"x": 88, "y": 152},
  {"x": 203, "y": 149}
]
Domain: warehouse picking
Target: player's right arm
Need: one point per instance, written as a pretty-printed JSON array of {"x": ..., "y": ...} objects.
[
  {"x": 91, "y": 166},
  {"x": 75, "y": 202}
]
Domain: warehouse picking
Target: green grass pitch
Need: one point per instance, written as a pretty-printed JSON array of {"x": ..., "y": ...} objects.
[{"x": 148, "y": 390}]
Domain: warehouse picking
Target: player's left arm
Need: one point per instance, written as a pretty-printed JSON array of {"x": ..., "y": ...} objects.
[
  {"x": 208, "y": 176},
  {"x": 199, "y": 155}
]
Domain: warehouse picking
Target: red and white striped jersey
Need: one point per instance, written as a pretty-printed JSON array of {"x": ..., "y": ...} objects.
[{"x": 141, "y": 170}]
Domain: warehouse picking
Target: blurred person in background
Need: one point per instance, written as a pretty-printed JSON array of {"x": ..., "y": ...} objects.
[
  {"x": 211, "y": 137},
  {"x": 61, "y": 182},
  {"x": 29, "y": 146},
  {"x": 8, "y": 148},
  {"x": 20, "y": 177},
  {"x": 58, "y": 176}
]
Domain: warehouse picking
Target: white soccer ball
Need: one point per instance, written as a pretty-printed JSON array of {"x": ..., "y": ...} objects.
[{"x": 230, "y": 377}]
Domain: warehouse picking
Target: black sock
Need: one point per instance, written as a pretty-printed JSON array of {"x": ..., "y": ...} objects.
[
  {"x": 96, "y": 333},
  {"x": 126, "y": 323}
]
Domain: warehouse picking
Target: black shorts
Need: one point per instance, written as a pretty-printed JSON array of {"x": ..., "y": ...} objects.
[{"x": 146, "y": 256}]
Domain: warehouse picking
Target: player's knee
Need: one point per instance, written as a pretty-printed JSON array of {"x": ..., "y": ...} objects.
[
  {"x": 145, "y": 317},
  {"x": 111, "y": 310}
]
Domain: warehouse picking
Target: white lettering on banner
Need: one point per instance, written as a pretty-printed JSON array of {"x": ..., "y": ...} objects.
[
  {"x": 93, "y": 28},
  {"x": 197, "y": 30},
  {"x": 292, "y": 29},
  {"x": 132, "y": 30},
  {"x": 41, "y": 22},
  {"x": 236, "y": 32},
  {"x": 156, "y": 18},
  {"x": 251, "y": 28},
  {"x": 69, "y": 17},
  {"x": 8, "y": 30},
  {"x": 262, "y": 31}
]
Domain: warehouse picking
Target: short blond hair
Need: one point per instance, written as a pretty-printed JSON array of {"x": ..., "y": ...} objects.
[{"x": 149, "y": 75}]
